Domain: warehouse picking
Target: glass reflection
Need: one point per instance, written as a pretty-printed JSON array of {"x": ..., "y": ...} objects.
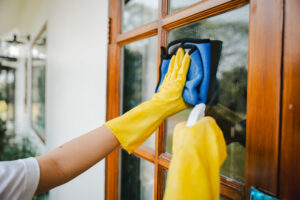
[
  {"x": 227, "y": 102},
  {"x": 175, "y": 5},
  {"x": 137, "y": 178},
  {"x": 136, "y": 13},
  {"x": 139, "y": 75},
  {"x": 165, "y": 174}
]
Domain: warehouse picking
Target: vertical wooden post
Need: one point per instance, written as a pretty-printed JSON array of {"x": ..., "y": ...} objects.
[
  {"x": 264, "y": 92},
  {"x": 159, "y": 139},
  {"x": 113, "y": 95},
  {"x": 290, "y": 131}
]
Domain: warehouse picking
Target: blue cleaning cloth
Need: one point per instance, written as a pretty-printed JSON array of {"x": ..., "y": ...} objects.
[
  {"x": 258, "y": 195},
  {"x": 197, "y": 84},
  {"x": 196, "y": 88}
]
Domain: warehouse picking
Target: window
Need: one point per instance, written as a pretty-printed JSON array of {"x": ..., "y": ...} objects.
[
  {"x": 7, "y": 95},
  {"x": 137, "y": 30},
  {"x": 38, "y": 80}
]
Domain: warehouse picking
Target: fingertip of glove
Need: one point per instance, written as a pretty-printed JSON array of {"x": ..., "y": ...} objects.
[{"x": 180, "y": 51}]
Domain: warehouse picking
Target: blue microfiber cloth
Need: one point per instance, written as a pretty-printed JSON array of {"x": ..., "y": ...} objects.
[
  {"x": 258, "y": 195},
  {"x": 199, "y": 76}
]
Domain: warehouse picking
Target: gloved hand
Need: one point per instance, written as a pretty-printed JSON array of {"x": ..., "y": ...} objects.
[
  {"x": 198, "y": 153},
  {"x": 136, "y": 125}
]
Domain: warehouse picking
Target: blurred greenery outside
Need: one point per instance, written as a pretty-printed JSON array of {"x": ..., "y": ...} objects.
[{"x": 12, "y": 146}]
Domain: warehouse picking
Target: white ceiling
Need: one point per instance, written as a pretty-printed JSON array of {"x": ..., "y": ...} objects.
[
  {"x": 17, "y": 16},
  {"x": 9, "y": 15}
]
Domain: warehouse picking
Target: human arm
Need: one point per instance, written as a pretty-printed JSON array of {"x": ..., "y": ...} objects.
[
  {"x": 131, "y": 130},
  {"x": 74, "y": 157}
]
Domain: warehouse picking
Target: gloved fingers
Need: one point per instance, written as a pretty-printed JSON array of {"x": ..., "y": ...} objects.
[
  {"x": 184, "y": 67},
  {"x": 170, "y": 70},
  {"x": 179, "y": 55},
  {"x": 177, "y": 64}
]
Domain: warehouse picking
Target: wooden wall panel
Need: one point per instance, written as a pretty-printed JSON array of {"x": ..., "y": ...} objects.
[
  {"x": 290, "y": 132},
  {"x": 263, "y": 98}
]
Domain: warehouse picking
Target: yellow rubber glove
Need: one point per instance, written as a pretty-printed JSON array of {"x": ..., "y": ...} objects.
[
  {"x": 198, "y": 153},
  {"x": 136, "y": 125}
]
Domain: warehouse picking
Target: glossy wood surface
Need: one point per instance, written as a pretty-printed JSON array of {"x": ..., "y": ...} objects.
[
  {"x": 263, "y": 97},
  {"x": 113, "y": 96},
  {"x": 160, "y": 134},
  {"x": 146, "y": 153},
  {"x": 199, "y": 11},
  {"x": 290, "y": 132},
  {"x": 139, "y": 33}
]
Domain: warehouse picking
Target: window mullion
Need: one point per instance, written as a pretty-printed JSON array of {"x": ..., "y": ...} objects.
[{"x": 159, "y": 139}]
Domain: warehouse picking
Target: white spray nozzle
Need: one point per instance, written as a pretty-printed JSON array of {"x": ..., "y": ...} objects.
[{"x": 197, "y": 113}]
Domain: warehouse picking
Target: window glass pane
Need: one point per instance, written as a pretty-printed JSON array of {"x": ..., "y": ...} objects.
[
  {"x": 139, "y": 75},
  {"x": 165, "y": 179},
  {"x": 38, "y": 84},
  {"x": 137, "y": 178},
  {"x": 229, "y": 99},
  {"x": 175, "y": 5},
  {"x": 136, "y": 13}
]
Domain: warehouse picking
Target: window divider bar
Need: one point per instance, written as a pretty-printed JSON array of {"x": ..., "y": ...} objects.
[
  {"x": 139, "y": 33},
  {"x": 159, "y": 139},
  {"x": 113, "y": 97},
  {"x": 233, "y": 184},
  {"x": 199, "y": 11},
  {"x": 164, "y": 160},
  {"x": 231, "y": 193},
  {"x": 146, "y": 153}
]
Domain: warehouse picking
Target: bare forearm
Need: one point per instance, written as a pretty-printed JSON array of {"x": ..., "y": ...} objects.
[{"x": 72, "y": 158}]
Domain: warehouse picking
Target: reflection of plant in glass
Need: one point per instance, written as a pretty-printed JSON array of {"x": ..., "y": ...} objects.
[
  {"x": 234, "y": 36},
  {"x": 229, "y": 107},
  {"x": 139, "y": 79},
  {"x": 132, "y": 93},
  {"x": 138, "y": 12},
  {"x": 130, "y": 177},
  {"x": 233, "y": 89}
]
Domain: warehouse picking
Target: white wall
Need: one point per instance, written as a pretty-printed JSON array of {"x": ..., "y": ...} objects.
[
  {"x": 75, "y": 78},
  {"x": 76, "y": 84}
]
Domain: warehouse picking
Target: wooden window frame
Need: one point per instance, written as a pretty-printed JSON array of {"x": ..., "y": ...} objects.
[{"x": 263, "y": 92}]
